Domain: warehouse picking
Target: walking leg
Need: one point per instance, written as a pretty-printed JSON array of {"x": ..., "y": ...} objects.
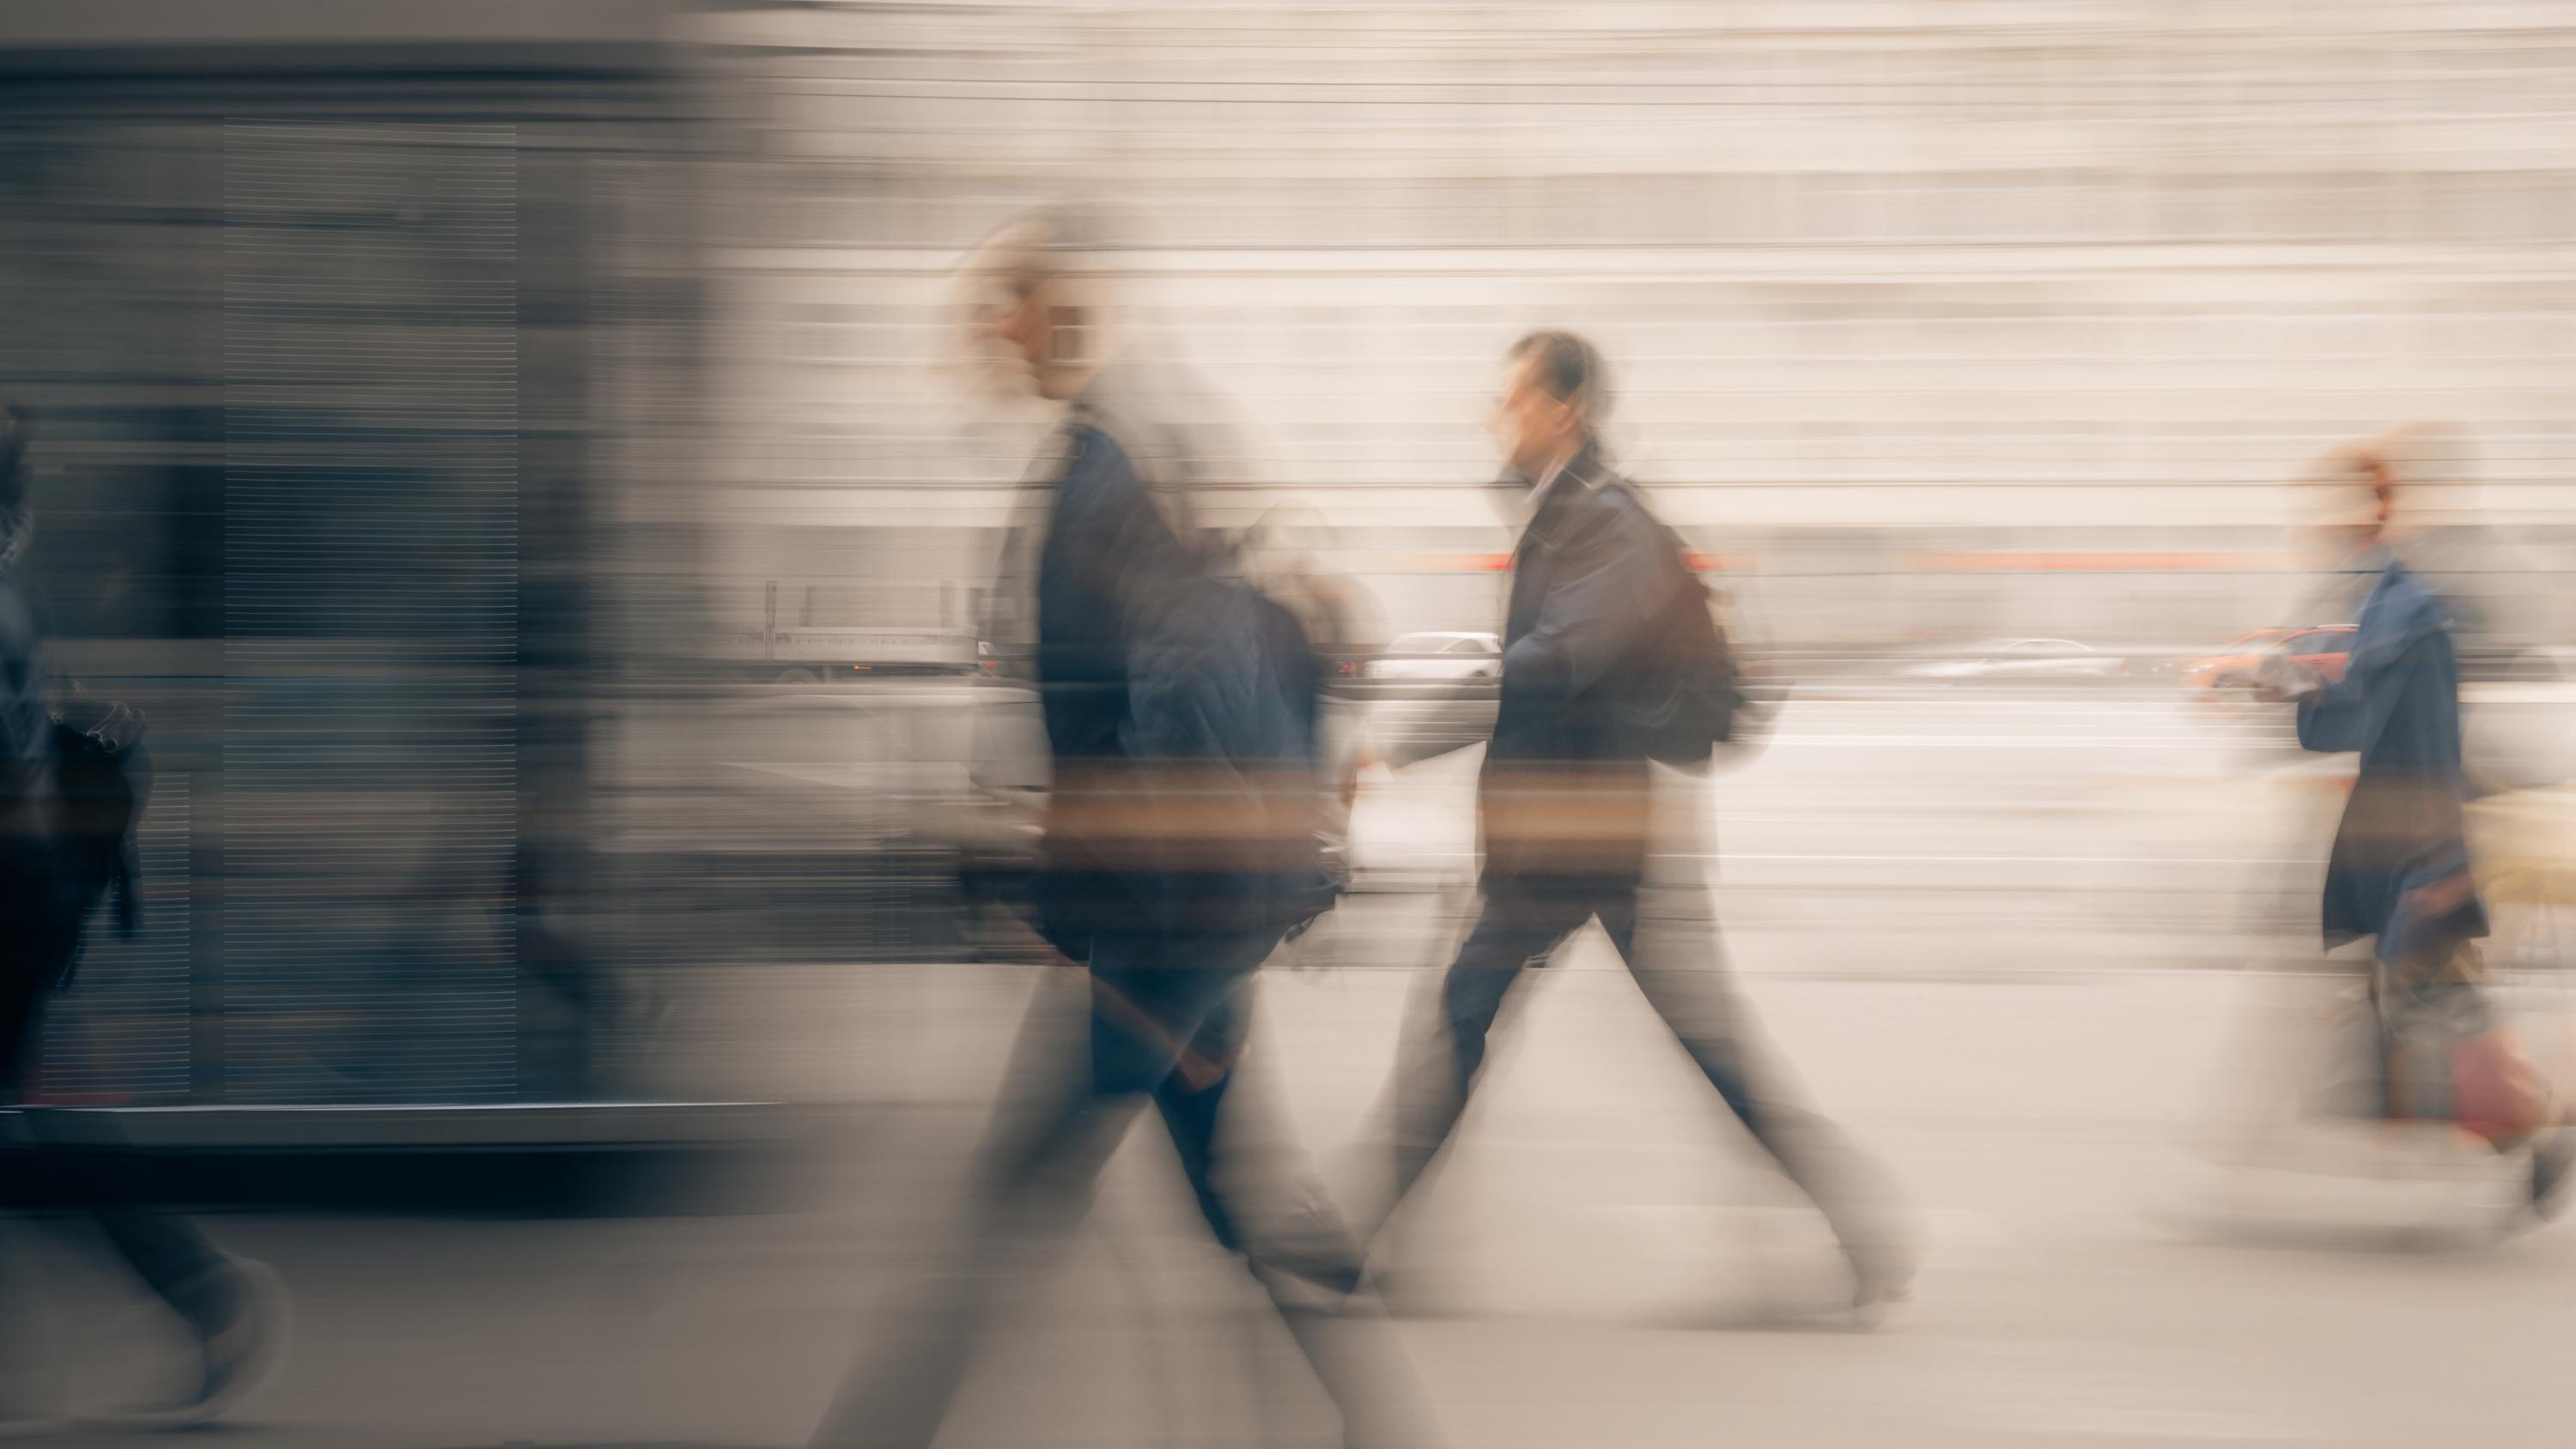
[
  {"x": 1441, "y": 1060},
  {"x": 1677, "y": 960},
  {"x": 1264, "y": 1200}
]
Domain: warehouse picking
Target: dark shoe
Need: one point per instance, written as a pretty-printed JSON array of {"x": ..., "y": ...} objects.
[
  {"x": 245, "y": 1358},
  {"x": 1882, "y": 1275},
  {"x": 242, "y": 1357},
  {"x": 1333, "y": 1273},
  {"x": 1307, "y": 1240},
  {"x": 2552, "y": 1158}
]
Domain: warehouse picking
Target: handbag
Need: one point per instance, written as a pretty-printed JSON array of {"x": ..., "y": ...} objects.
[{"x": 2450, "y": 1058}]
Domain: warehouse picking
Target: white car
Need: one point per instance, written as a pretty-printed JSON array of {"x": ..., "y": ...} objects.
[
  {"x": 2010, "y": 659},
  {"x": 1439, "y": 655}
]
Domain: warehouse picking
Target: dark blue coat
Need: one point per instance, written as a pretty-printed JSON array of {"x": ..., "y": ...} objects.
[
  {"x": 2398, "y": 705},
  {"x": 1180, "y": 713}
]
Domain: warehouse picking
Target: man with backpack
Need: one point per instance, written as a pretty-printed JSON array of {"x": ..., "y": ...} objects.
[
  {"x": 1613, "y": 663},
  {"x": 69, "y": 793},
  {"x": 1180, "y": 712}
]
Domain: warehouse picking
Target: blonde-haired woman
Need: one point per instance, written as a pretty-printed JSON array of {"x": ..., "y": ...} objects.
[{"x": 2399, "y": 875}]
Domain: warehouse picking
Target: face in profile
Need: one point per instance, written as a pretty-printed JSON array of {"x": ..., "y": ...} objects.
[
  {"x": 1535, "y": 427},
  {"x": 1031, "y": 338},
  {"x": 2352, "y": 503},
  {"x": 1004, "y": 329}
]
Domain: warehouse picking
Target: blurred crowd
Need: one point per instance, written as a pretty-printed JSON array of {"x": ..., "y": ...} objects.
[{"x": 620, "y": 528}]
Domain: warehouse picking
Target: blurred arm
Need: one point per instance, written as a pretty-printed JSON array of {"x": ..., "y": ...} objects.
[
  {"x": 1399, "y": 752},
  {"x": 2336, "y": 716},
  {"x": 2333, "y": 720}
]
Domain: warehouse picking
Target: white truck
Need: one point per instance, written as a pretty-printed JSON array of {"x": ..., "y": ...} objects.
[{"x": 810, "y": 653}]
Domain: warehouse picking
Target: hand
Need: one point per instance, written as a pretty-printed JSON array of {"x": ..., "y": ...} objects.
[{"x": 2278, "y": 680}]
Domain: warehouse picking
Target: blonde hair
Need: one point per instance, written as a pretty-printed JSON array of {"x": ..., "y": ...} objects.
[
  {"x": 2397, "y": 462},
  {"x": 1054, "y": 254}
]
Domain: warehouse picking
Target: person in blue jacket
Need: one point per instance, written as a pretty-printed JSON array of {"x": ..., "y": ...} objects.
[
  {"x": 2399, "y": 874},
  {"x": 2399, "y": 871}
]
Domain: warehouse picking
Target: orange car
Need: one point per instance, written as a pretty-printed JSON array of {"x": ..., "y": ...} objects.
[{"x": 2321, "y": 647}]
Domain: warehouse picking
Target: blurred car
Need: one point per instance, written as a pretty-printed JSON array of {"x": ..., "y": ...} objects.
[
  {"x": 2321, "y": 647},
  {"x": 1438, "y": 655},
  {"x": 2022, "y": 659},
  {"x": 810, "y": 656}
]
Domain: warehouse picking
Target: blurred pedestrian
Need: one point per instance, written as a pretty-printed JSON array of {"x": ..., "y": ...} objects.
[
  {"x": 1567, "y": 808},
  {"x": 1180, "y": 712},
  {"x": 2399, "y": 874},
  {"x": 235, "y": 1308}
]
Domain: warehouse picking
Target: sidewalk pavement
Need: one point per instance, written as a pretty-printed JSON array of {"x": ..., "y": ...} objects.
[{"x": 1600, "y": 1251}]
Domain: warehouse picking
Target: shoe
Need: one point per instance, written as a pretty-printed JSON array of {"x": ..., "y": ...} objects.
[
  {"x": 245, "y": 1358},
  {"x": 241, "y": 1358},
  {"x": 1323, "y": 1257},
  {"x": 2552, "y": 1158},
  {"x": 1882, "y": 1275},
  {"x": 1403, "y": 1289}
]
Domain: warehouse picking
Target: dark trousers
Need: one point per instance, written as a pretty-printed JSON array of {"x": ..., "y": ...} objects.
[
  {"x": 104, "y": 1178},
  {"x": 1168, "y": 1021},
  {"x": 1667, "y": 935}
]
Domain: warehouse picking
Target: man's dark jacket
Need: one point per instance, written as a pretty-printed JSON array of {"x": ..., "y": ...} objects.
[
  {"x": 1180, "y": 713},
  {"x": 1564, "y": 787}
]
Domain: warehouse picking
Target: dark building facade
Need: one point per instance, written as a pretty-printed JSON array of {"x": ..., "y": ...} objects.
[{"x": 353, "y": 348}]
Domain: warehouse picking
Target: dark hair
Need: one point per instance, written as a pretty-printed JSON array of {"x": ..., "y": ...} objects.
[{"x": 1571, "y": 370}]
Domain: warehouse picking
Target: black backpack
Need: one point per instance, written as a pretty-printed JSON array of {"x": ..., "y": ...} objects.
[
  {"x": 1271, "y": 734},
  {"x": 102, "y": 778},
  {"x": 1687, "y": 697},
  {"x": 1296, "y": 673}
]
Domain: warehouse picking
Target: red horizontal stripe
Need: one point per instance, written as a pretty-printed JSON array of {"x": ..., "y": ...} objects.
[{"x": 2057, "y": 561}]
